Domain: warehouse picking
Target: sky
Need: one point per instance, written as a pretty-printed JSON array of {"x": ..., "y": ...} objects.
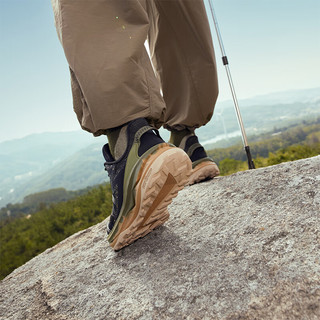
[{"x": 272, "y": 45}]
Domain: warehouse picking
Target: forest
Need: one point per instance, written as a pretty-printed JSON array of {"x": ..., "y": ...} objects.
[
  {"x": 25, "y": 237},
  {"x": 46, "y": 218},
  {"x": 37, "y": 201}
]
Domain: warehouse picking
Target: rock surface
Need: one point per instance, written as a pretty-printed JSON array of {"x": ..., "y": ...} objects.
[{"x": 246, "y": 246}]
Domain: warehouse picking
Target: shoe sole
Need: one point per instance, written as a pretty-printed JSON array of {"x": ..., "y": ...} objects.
[
  {"x": 162, "y": 175},
  {"x": 203, "y": 171}
]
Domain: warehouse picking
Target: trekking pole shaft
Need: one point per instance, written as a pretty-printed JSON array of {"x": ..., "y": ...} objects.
[
  {"x": 233, "y": 92},
  {"x": 235, "y": 100}
]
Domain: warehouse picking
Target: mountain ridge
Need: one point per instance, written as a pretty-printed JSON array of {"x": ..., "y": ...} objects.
[{"x": 29, "y": 162}]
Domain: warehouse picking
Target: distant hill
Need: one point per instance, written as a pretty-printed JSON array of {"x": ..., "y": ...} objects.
[
  {"x": 23, "y": 161},
  {"x": 260, "y": 114},
  {"x": 81, "y": 169},
  {"x": 285, "y": 97},
  {"x": 292, "y": 143},
  {"x": 36, "y": 153},
  {"x": 73, "y": 160}
]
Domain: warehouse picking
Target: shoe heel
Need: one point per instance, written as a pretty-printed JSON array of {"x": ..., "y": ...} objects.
[{"x": 165, "y": 173}]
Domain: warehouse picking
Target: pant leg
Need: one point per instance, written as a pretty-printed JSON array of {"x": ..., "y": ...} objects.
[
  {"x": 182, "y": 53},
  {"x": 112, "y": 78}
]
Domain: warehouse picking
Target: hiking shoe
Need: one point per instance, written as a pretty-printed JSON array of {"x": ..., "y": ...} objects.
[
  {"x": 203, "y": 167},
  {"x": 144, "y": 180}
]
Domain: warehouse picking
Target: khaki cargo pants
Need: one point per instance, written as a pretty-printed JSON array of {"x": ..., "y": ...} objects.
[{"x": 113, "y": 80}]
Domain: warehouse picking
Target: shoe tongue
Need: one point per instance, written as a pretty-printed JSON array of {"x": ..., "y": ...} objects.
[
  {"x": 127, "y": 131},
  {"x": 121, "y": 143}
]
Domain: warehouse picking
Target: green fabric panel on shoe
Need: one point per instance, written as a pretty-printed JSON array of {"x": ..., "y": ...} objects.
[
  {"x": 134, "y": 163},
  {"x": 195, "y": 163}
]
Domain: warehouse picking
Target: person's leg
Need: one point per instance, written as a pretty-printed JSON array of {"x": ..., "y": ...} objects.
[
  {"x": 183, "y": 56},
  {"x": 115, "y": 91},
  {"x": 182, "y": 53},
  {"x": 112, "y": 77}
]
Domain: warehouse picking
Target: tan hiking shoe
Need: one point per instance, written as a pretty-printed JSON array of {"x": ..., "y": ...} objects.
[{"x": 144, "y": 180}]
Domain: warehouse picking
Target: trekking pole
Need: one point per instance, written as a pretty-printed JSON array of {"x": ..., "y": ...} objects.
[{"x": 235, "y": 100}]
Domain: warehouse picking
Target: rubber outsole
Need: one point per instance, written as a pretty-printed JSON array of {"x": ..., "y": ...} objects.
[
  {"x": 160, "y": 179},
  {"x": 203, "y": 171}
]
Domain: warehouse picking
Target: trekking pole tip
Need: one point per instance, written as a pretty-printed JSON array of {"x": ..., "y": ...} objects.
[{"x": 250, "y": 161}]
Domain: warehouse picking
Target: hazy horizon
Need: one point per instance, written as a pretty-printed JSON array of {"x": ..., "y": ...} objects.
[
  {"x": 230, "y": 101},
  {"x": 271, "y": 47},
  {"x": 270, "y": 94}
]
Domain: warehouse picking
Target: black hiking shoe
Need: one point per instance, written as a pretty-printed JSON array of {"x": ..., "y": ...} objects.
[
  {"x": 203, "y": 167},
  {"x": 144, "y": 180}
]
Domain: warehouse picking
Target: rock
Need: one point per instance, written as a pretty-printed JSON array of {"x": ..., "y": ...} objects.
[{"x": 245, "y": 246}]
